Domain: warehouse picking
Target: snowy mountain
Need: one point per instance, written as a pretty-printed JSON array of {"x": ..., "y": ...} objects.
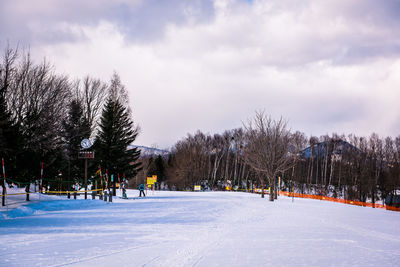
[
  {"x": 331, "y": 147},
  {"x": 150, "y": 151}
]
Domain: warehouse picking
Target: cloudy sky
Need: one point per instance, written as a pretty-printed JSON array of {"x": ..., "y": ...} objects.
[{"x": 326, "y": 66}]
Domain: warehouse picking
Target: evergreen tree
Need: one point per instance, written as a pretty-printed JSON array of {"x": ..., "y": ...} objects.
[
  {"x": 9, "y": 137},
  {"x": 5, "y": 126},
  {"x": 76, "y": 128},
  {"x": 156, "y": 167},
  {"x": 9, "y": 131},
  {"x": 116, "y": 133},
  {"x": 6, "y": 129}
]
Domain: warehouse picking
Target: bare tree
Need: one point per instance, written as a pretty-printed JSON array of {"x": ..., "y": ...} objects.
[
  {"x": 38, "y": 101},
  {"x": 117, "y": 90},
  {"x": 190, "y": 161},
  {"x": 238, "y": 137},
  {"x": 92, "y": 93},
  {"x": 218, "y": 150},
  {"x": 267, "y": 147}
]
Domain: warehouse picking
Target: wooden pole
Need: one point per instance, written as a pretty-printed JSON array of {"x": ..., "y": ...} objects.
[
  {"x": 4, "y": 185},
  {"x": 85, "y": 178}
]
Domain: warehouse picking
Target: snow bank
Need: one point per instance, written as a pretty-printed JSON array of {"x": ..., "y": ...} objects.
[{"x": 56, "y": 204}]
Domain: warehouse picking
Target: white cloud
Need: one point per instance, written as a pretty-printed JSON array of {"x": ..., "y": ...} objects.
[{"x": 301, "y": 61}]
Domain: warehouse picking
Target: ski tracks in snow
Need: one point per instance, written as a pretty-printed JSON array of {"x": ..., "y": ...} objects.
[
  {"x": 100, "y": 257},
  {"x": 206, "y": 239}
]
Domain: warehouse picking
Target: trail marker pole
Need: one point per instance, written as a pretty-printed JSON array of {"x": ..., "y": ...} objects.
[
  {"x": 4, "y": 185},
  {"x": 119, "y": 182},
  {"x": 101, "y": 183},
  {"x": 85, "y": 178},
  {"x": 106, "y": 180},
  {"x": 114, "y": 189},
  {"x": 4, "y": 198},
  {"x": 109, "y": 189},
  {"x": 41, "y": 181},
  {"x": 4, "y": 170},
  {"x": 125, "y": 186}
]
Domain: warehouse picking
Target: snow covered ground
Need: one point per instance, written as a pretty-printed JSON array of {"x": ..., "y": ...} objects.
[{"x": 198, "y": 229}]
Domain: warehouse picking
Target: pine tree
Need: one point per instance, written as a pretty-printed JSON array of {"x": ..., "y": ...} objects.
[
  {"x": 156, "y": 167},
  {"x": 9, "y": 136},
  {"x": 76, "y": 128},
  {"x": 116, "y": 133},
  {"x": 5, "y": 128},
  {"x": 9, "y": 131}
]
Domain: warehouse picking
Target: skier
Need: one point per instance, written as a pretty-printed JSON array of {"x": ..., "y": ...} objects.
[
  {"x": 141, "y": 189},
  {"x": 76, "y": 189},
  {"x": 124, "y": 185}
]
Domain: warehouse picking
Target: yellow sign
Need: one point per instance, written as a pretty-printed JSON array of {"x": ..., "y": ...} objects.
[
  {"x": 152, "y": 180},
  {"x": 259, "y": 190},
  {"x": 197, "y": 188}
]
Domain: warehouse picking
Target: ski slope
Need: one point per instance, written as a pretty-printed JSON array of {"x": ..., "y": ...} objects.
[{"x": 198, "y": 229}]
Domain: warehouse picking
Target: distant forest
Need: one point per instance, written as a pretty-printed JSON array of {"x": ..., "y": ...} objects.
[{"x": 350, "y": 167}]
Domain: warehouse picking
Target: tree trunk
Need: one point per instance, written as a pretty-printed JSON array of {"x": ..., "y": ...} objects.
[
  {"x": 215, "y": 168},
  {"x": 3, "y": 199},
  {"x": 227, "y": 168},
  {"x": 27, "y": 192},
  {"x": 340, "y": 172},
  {"x": 316, "y": 173},
  {"x": 235, "y": 170},
  {"x": 373, "y": 198},
  {"x": 262, "y": 190},
  {"x": 271, "y": 192},
  {"x": 311, "y": 172},
  {"x": 326, "y": 164},
  {"x": 331, "y": 172},
  {"x": 243, "y": 171}
]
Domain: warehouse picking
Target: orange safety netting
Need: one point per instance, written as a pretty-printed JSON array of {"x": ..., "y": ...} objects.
[{"x": 344, "y": 201}]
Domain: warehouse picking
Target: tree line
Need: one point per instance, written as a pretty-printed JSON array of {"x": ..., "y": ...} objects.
[
  {"x": 44, "y": 116},
  {"x": 264, "y": 151}
]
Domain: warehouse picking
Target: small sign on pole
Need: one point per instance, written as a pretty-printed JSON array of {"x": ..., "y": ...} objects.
[
  {"x": 86, "y": 154},
  {"x": 152, "y": 180}
]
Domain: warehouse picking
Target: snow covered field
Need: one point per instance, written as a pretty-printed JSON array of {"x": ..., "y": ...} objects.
[{"x": 198, "y": 229}]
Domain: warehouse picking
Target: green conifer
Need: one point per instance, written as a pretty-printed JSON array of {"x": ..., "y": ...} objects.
[{"x": 116, "y": 133}]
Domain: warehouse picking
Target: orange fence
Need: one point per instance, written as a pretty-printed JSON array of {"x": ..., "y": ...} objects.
[{"x": 344, "y": 201}]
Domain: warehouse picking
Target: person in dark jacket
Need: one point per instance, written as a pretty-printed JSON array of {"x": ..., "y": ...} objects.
[{"x": 141, "y": 189}]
